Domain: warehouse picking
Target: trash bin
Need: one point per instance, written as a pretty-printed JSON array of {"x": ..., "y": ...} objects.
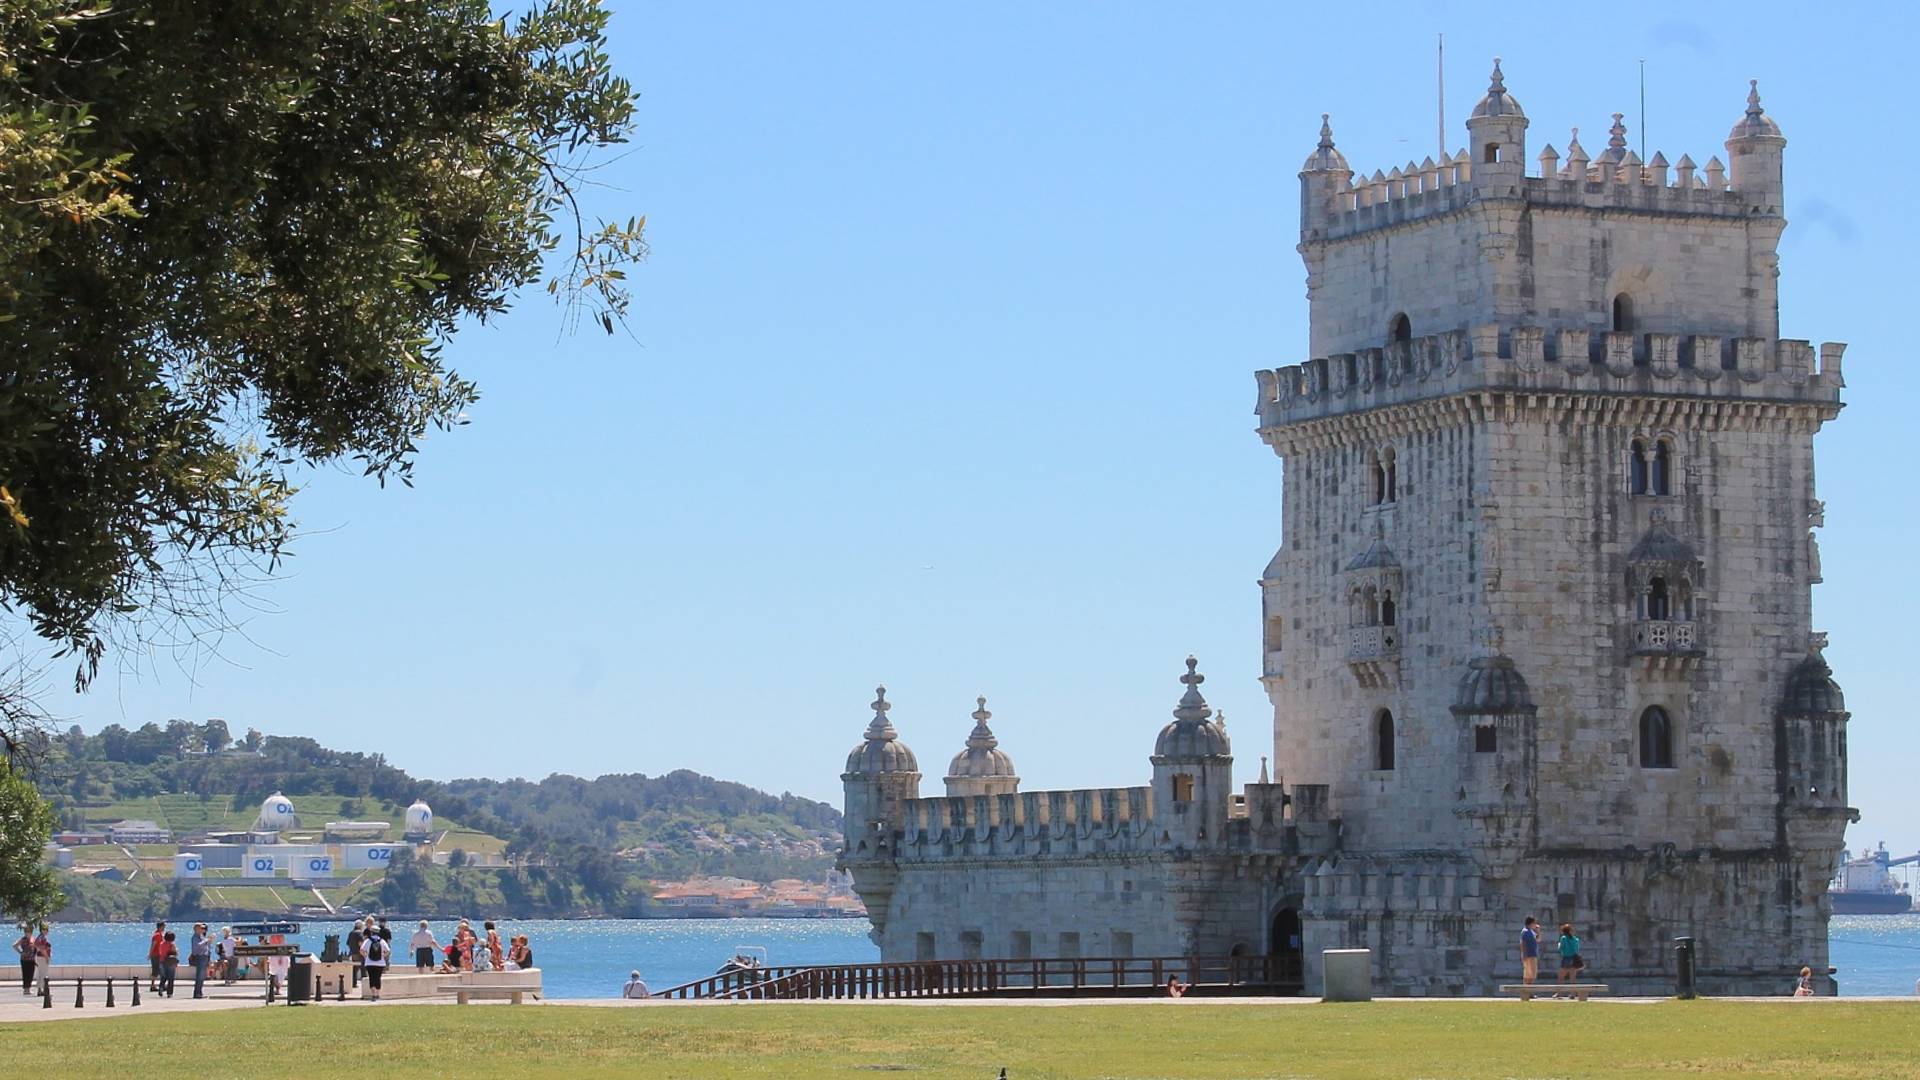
[{"x": 300, "y": 979}]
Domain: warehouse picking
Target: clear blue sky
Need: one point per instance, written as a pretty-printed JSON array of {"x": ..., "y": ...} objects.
[{"x": 943, "y": 379}]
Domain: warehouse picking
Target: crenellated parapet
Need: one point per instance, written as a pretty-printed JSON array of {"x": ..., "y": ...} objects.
[
  {"x": 1044, "y": 825},
  {"x": 1542, "y": 359}
]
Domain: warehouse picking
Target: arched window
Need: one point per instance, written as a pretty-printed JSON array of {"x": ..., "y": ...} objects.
[
  {"x": 1379, "y": 477},
  {"x": 1662, "y": 467},
  {"x": 1392, "y": 474},
  {"x": 1491, "y": 153},
  {"x": 1656, "y": 739},
  {"x": 1383, "y": 741},
  {"x": 1659, "y": 605},
  {"x": 1637, "y": 468},
  {"x": 1683, "y": 601},
  {"x": 1386, "y": 609},
  {"x": 1182, "y": 788},
  {"x": 1400, "y": 328},
  {"x": 1486, "y": 739},
  {"x": 1623, "y": 314}
]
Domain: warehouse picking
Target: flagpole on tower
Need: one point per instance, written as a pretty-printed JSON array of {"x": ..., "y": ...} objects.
[{"x": 1440, "y": 79}]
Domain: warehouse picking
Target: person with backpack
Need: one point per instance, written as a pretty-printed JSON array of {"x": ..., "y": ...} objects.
[{"x": 374, "y": 953}]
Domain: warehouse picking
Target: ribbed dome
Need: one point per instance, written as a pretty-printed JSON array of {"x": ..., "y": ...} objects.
[
  {"x": 1324, "y": 157},
  {"x": 1497, "y": 102},
  {"x": 1756, "y": 124},
  {"x": 1811, "y": 689},
  {"x": 983, "y": 756},
  {"x": 1492, "y": 686},
  {"x": 882, "y": 751},
  {"x": 1192, "y": 734}
]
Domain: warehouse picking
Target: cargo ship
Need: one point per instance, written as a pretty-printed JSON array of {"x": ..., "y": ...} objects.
[{"x": 1866, "y": 885}]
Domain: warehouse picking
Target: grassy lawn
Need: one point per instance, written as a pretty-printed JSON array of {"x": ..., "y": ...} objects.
[{"x": 1822, "y": 1040}]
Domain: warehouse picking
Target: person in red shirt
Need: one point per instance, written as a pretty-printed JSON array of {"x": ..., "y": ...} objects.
[
  {"x": 169, "y": 964},
  {"x": 155, "y": 949}
]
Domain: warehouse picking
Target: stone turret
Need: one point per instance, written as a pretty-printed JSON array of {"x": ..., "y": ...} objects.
[
  {"x": 1499, "y": 130},
  {"x": 982, "y": 768},
  {"x": 881, "y": 776},
  {"x": 1756, "y": 153},
  {"x": 1192, "y": 770},
  {"x": 1323, "y": 180}
]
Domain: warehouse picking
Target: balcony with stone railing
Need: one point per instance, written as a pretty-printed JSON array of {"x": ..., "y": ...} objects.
[
  {"x": 1666, "y": 643},
  {"x": 1373, "y": 652}
]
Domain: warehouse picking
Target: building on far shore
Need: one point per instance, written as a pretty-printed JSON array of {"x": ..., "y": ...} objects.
[
  {"x": 138, "y": 832},
  {"x": 1537, "y": 636}
]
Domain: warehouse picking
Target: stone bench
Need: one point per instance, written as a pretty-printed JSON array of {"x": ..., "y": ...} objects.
[
  {"x": 463, "y": 994},
  {"x": 1529, "y": 991}
]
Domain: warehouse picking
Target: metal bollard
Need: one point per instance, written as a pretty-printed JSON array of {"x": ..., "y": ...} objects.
[
  {"x": 273, "y": 984},
  {"x": 46, "y": 994},
  {"x": 1683, "y": 982},
  {"x": 109, "y": 993},
  {"x": 343, "y": 987},
  {"x": 79, "y": 993},
  {"x": 136, "y": 992},
  {"x": 319, "y": 993}
]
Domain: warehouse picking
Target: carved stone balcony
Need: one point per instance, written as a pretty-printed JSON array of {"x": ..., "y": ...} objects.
[
  {"x": 1666, "y": 644},
  {"x": 1373, "y": 652}
]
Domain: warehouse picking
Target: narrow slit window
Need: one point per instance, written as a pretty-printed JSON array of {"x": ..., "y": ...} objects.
[
  {"x": 1656, "y": 739},
  {"x": 1383, "y": 741}
]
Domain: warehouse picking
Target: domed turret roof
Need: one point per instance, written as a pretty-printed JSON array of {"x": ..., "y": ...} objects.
[
  {"x": 1756, "y": 123},
  {"x": 983, "y": 756},
  {"x": 1811, "y": 689},
  {"x": 1497, "y": 103},
  {"x": 1192, "y": 734},
  {"x": 1324, "y": 157},
  {"x": 882, "y": 751},
  {"x": 1492, "y": 686}
]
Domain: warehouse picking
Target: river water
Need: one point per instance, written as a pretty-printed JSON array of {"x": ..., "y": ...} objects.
[{"x": 1876, "y": 954}]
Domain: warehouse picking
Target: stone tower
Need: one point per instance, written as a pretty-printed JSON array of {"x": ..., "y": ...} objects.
[{"x": 1540, "y": 621}]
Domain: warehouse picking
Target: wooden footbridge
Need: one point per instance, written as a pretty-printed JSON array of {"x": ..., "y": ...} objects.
[{"x": 1136, "y": 976}]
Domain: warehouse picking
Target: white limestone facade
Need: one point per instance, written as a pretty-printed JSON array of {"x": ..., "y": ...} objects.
[{"x": 1537, "y": 635}]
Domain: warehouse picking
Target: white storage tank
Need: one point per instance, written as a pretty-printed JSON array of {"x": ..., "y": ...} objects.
[
  {"x": 419, "y": 820},
  {"x": 276, "y": 815}
]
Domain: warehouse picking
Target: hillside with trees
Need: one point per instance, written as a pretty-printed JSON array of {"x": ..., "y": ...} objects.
[{"x": 572, "y": 846}]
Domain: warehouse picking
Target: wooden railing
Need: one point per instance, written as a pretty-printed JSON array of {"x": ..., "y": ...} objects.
[{"x": 1058, "y": 976}]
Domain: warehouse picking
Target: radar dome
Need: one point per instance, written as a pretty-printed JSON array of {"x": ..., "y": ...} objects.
[
  {"x": 276, "y": 815},
  {"x": 419, "y": 818}
]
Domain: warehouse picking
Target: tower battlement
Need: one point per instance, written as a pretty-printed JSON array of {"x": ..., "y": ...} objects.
[{"x": 1535, "y": 359}]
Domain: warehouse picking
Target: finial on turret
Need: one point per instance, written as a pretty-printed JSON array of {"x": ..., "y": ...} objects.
[
  {"x": 1499, "y": 83},
  {"x": 1753, "y": 98},
  {"x": 881, "y": 728},
  {"x": 1326, "y": 131},
  {"x": 1617, "y": 143},
  {"x": 1263, "y": 769},
  {"x": 982, "y": 736},
  {"x": 1192, "y": 706}
]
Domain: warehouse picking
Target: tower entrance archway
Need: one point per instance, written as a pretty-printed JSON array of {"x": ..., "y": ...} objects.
[{"x": 1285, "y": 946}]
